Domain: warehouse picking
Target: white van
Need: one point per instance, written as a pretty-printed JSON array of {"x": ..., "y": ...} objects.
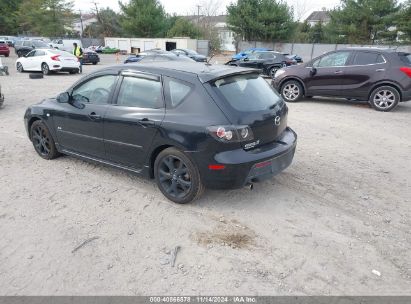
[{"x": 65, "y": 44}]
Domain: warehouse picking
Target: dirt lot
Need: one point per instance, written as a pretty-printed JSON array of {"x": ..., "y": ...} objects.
[{"x": 336, "y": 222}]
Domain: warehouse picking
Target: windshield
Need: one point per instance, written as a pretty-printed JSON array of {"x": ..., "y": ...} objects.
[
  {"x": 247, "y": 93},
  {"x": 39, "y": 44}
]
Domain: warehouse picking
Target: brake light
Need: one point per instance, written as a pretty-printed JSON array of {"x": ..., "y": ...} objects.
[
  {"x": 406, "y": 70},
  {"x": 55, "y": 58},
  {"x": 216, "y": 167},
  {"x": 231, "y": 133}
]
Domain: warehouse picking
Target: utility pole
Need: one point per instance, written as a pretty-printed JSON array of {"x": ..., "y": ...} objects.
[
  {"x": 99, "y": 18},
  {"x": 81, "y": 22},
  {"x": 198, "y": 14}
]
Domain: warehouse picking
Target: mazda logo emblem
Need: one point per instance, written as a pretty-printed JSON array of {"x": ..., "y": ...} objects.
[{"x": 277, "y": 120}]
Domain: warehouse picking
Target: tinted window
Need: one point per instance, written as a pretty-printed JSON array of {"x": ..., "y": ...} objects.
[
  {"x": 140, "y": 92},
  {"x": 406, "y": 58},
  {"x": 333, "y": 60},
  {"x": 96, "y": 90},
  {"x": 177, "y": 91},
  {"x": 267, "y": 56},
  {"x": 364, "y": 58},
  {"x": 27, "y": 43},
  {"x": 39, "y": 44},
  {"x": 247, "y": 93},
  {"x": 31, "y": 54}
]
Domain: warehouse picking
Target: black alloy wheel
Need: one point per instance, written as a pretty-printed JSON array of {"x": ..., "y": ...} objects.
[
  {"x": 42, "y": 141},
  {"x": 177, "y": 176}
]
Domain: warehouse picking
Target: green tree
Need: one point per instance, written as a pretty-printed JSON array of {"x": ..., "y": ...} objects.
[
  {"x": 302, "y": 33},
  {"x": 52, "y": 18},
  {"x": 108, "y": 25},
  {"x": 316, "y": 33},
  {"x": 365, "y": 21},
  {"x": 184, "y": 28},
  {"x": 404, "y": 23},
  {"x": 144, "y": 18},
  {"x": 265, "y": 20},
  {"x": 9, "y": 17}
]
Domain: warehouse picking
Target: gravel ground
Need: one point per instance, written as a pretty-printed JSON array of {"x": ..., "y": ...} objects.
[{"x": 336, "y": 222}]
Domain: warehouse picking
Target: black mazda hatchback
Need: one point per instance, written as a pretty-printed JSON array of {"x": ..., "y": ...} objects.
[{"x": 190, "y": 126}]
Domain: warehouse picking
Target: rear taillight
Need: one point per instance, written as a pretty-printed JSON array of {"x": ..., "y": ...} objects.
[
  {"x": 55, "y": 58},
  {"x": 406, "y": 70},
  {"x": 231, "y": 133}
]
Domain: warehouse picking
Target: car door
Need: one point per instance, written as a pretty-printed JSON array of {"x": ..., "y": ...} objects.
[
  {"x": 252, "y": 61},
  {"x": 38, "y": 59},
  {"x": 27, "y": 61},
  {"x": 131, "y": 124},
  {"x": 80, "y": 129},
  {"x": 366, "y": 68},
  {"x": 327, "y": 73}
]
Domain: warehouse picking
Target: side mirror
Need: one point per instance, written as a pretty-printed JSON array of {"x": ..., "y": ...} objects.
[
  {"x": 313, "y": 71},
  {"x": 246, "y": 59},
  {"x": 33, "y": 46},
  {"x": 63, "y": 97}
]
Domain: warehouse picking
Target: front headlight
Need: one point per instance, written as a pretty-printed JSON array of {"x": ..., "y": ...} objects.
[{"x": 279, "y": 73}]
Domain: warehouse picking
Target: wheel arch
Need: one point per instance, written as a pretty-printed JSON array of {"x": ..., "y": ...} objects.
[
  {"x": 154, "y": 155},
  {"x": 30, "y": 123},
  {"x": 386, "y": 84},
  {"x": 290, "y": 79}
]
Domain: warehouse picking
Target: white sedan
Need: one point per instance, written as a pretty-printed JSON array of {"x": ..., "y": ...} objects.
[{"x": 47, "y": 61}]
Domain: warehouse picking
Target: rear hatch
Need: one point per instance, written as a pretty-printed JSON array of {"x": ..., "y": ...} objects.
[{"x": 248, "y": 100}]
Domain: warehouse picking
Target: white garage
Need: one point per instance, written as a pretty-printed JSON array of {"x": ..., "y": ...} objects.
[{"x": 137, "y": 45}]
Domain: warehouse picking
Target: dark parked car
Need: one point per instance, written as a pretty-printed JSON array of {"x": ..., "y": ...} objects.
[
  {"x": 381, "y": 76},
  {"x": 28, "y": 45},
  {"x": 4, "y": 48},
  {"x": 165, "y": 57},
  {"x": 266, "y": 61},
  {"x": 189, "y": 126},
  {"x": 295, "y": 57},
  {"x": 90, "y": 57},
  {"x": 191, "y": 54},
  {"x": 247, "y": 52},
  {"x": 138, "y": 57}
]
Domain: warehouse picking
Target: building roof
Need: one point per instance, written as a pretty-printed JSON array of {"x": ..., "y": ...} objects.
[
  {"x": 211, "y": 19},
  {"x": 318, "y": 16}
]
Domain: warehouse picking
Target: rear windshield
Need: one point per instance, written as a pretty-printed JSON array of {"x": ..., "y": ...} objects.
[
  {"x": 39, "y": 44},
  {"x": 405, "y": 57},
  {"x": 247, "y": 92}
]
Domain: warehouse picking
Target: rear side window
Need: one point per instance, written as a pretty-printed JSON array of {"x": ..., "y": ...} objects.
[
  {"x": 405, "y": 57},
  {"x": 140, "y": 93},
  {"x": 247, "y": 93},
  {"x": 366, "y": 58},
  {"x": 177, "y": 91}
]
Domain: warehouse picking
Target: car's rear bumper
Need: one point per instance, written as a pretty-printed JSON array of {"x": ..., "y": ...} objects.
[
  {"x": 91, "y": 60},
  {"x": 242, "y": 167},
  {"x": 5, "y": 52}
]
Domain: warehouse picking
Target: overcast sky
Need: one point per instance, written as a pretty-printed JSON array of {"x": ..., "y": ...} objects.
[{"x": 185, "y": 7}]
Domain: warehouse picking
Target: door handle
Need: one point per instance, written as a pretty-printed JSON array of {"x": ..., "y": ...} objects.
[
  {"x": 338, "y": 72},
  {"x": 146, "y": 122},
  {"x": 380, "y": 70},
  {"x": 94, "y": 116}
]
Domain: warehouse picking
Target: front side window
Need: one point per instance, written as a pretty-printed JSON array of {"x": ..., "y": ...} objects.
[
  {"x": 140, "y": 93},
  {"x": 247, "y": 93},
  {"x": 96, "y": 90},
  {"x": 267, "y": 56},
  {"x": 333, "y": 60}
]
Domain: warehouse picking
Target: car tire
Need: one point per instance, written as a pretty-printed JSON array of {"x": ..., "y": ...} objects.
[
  {"x": 45, "y": 68},
  {"x": 42, "y": 140},
  {"x": 7, "y": 55},
  {"x": 35, "y": 76},
  {"x": 19, "y": 67},
  {"x": 94, "y": 63},
  {"x": 177, "y": 176},
  {"x": 291, "y": 91},
  {"x": 384, "y": 98},
  {"x": 272, "y": 71},
  {"x": 19, "y": 53},
  {"x": 73, "y": 72}
]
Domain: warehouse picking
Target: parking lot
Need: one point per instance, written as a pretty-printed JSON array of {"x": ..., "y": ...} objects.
[{"x": 336, "y": 222}]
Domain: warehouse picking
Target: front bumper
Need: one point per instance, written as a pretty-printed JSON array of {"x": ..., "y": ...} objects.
[{"x": 242, "y": 167}]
